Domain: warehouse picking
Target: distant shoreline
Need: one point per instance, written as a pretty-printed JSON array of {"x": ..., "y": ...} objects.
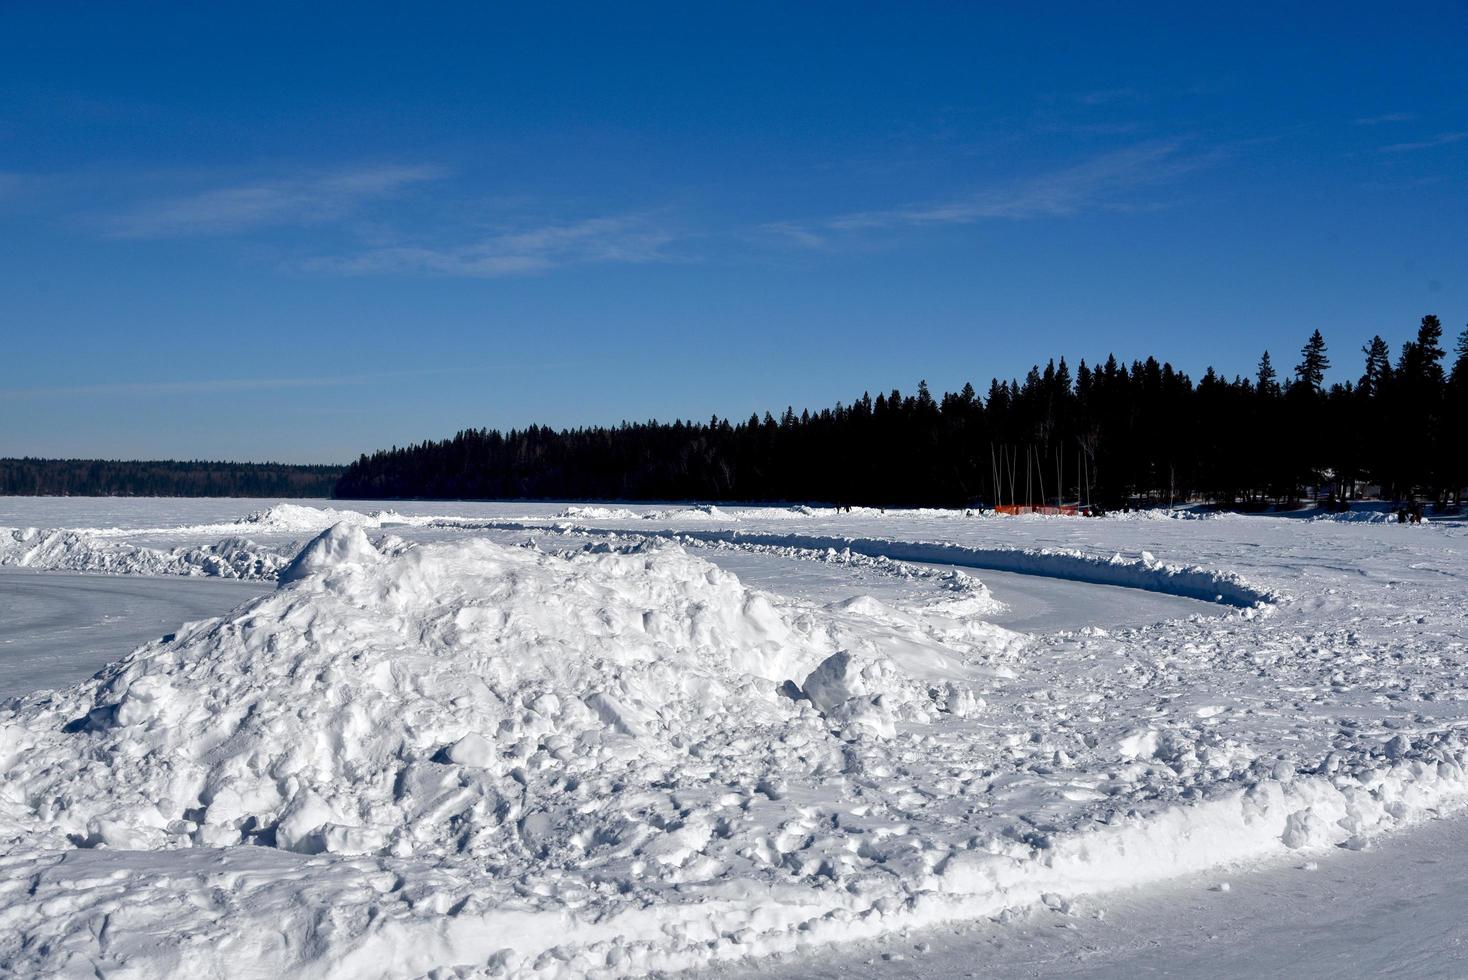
[{"x": 35, "y": 477}]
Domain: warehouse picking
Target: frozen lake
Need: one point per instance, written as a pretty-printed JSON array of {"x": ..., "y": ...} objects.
[{"x": 57, "y": 628}]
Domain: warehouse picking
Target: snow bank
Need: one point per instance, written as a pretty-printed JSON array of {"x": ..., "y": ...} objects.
[
  {"x": 75, "y": 551},
  {"x": 591, "y": 513},
  {"x": 1356, "y": 517},
  {"x": 1142, "y": 572},
  {"x": 295, "y": 518},
  {"x": 105, "y": 550},
  {"x": 696, "y": 512}
]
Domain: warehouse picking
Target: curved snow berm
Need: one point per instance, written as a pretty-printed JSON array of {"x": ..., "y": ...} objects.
[
  {"x": 1144, "y": 572},
  {"x": 502, "y": 762}
]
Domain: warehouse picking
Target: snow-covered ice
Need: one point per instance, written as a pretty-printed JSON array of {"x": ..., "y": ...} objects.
[{"x": 559, "y": 741}]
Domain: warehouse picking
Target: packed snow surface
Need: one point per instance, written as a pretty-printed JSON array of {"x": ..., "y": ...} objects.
[{"x": 600, "y": 754}]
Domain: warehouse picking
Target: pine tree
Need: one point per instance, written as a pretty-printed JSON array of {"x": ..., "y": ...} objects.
[
  {"x": 1457, "y": 421},
  {"x": 1429, "y": 348},
  {"x": 1378, "y": 366},
  {"x": 1313, "y": 363},
  {"x": 1267, "y": 381}
]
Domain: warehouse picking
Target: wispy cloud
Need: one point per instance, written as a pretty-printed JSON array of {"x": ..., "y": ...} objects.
[
  {"x": 1388, "y": 117},
  {"x": 1099, "y": 182},
  {"x": 625, "y": 239},
  {"x": 1441, "y": 139},
  {"x": 206, "y": 386},
  {"x": 1106, "y": 96},
  {"x": 304, "y": 200}
]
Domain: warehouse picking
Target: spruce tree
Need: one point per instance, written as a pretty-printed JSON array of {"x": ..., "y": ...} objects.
[
  {"x": 1429, "y": 348},
  {"x": 1378, "y": 366},
  {"x": 1457, "y": 421},
  {"x": 1313, "y": 363},
  {"x": 1459, "y": 377},
  {"x": 1267, "y": 380}
]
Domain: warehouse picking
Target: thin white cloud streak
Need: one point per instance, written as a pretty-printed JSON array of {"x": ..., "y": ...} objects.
[
  {"x": 1096, "y": 183},
  {"x": 1442, "y": 139},
  {"x": 1106, "y": 96},
  {"x": 522, "y": 252},
  {"x": 211, "y": 386},
  {"x": 307, "y": 200},
  {"x": 1388, "y": 117}
]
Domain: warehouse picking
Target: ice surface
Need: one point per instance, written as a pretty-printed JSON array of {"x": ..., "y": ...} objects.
[{"x": 57, "y": 628}]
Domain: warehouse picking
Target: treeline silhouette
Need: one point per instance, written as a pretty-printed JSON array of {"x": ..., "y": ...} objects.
[
  {"x": 163, "y": 478},
  {"x": 1107, "y": 435}
]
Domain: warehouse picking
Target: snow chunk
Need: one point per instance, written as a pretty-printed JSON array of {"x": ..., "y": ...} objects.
[{"x": 341, "y": 544}]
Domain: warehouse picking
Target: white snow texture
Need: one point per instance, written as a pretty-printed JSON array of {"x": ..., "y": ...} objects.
[{"x": 446, "y": 752}]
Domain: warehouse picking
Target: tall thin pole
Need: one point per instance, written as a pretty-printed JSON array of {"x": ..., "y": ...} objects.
[
  {"x": 1040, "y": 472},
  {"x": 1013, "y": 476},
  {"x": 1086, "y": 476},
  {"x": 1029, "y": 495},
  {"x": 994, "y": 469}
]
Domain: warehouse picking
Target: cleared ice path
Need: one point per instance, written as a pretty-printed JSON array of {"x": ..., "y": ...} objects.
[
  {"x": 1036, "y": 603},
  {"x": 58, "y": 628}
]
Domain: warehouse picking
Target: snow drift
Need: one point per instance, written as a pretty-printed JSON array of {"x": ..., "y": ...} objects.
[{"x": 77, "y": 551}]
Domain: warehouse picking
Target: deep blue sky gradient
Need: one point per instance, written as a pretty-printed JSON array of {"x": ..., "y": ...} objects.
[{"x": 298, "y": 234}]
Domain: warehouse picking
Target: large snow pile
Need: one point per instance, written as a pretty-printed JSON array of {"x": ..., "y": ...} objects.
[{"x": 378, "y": 704}]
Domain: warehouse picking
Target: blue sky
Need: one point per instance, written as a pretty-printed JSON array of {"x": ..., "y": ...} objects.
[{"x": 262, "y": 233}]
